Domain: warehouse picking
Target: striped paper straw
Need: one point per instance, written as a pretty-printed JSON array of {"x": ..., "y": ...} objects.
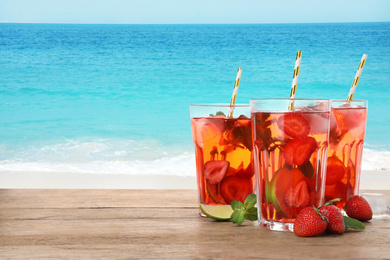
[
  {"x": 295, "y": 79},
  {"x": 357, "y": 77},
  {"x": 235, "y": 90}
]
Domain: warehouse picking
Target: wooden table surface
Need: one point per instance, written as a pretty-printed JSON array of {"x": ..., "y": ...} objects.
[{"x": 156, "y": 224}]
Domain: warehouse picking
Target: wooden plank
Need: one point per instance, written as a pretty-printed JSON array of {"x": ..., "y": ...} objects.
[
  {"x": 59, "y": 224},
  {"x": 95, "y": 198}
]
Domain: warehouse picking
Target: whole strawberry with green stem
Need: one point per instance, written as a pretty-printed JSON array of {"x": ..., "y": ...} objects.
[
  {"x": 335, "y": 218},
  {"x": 310, "y": 222},
  {"x": 337, "y": 223},
  {"x": 358, "y": 207}
]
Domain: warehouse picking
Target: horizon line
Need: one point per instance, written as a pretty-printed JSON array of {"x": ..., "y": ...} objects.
[{"x": 6, "y": 22}]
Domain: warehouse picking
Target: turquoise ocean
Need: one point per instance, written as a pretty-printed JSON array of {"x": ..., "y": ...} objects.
[{"x": 115, "y": 98}]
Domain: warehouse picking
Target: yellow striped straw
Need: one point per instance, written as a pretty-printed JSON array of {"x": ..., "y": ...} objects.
[
  {"x": 295, "y": 79},
  {"x": 235, "y": 90},
  {"x": 357, "y": 77}
]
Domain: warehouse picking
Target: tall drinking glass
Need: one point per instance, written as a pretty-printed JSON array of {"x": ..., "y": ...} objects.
[
  {"x": 346, "y": 138},
  {"x": 223, "y": 153},
  {"x": 290, "y": 154}
]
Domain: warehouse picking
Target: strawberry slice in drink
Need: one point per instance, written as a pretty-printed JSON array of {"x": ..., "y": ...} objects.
[
  {"x": 335, "y": 170},
  {"x": 247, "y": 172},
  {"x": 205, "y": 129},
  {"x": 215, "y": 171},
  {"x": 282, "y": 180},
  {"x": 214, "y": 191},
  {"x": 236, "y": 188},
  {"x": 338, "y": 190},
  {"x": 297, "y": 196},
  {"x": 294, "y": 125},
  {"x": 298, "y": 151}
]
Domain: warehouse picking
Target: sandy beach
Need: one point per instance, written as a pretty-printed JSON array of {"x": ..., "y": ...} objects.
[{"x": 370, "y": 180}]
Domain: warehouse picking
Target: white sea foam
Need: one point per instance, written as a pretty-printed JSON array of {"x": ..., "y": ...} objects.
[
  {"x": 101, "y": 156},
  {"x": 119, "y": 156},
  {"x": 375, "y": 160}
]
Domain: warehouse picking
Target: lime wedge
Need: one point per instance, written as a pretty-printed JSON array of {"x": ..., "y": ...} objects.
[{"x": 219, "y": 212}]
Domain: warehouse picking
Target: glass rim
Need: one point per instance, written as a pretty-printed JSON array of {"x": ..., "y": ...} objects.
[
  {"x": 295, "y": 99},
  {"x": 344, "y": 100},
  {"x": 218, "y": 105}
]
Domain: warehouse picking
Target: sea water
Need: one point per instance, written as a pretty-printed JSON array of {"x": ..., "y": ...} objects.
[{"x": 115, "y": 98}]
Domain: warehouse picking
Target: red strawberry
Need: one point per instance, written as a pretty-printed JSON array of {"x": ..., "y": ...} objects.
[
  {"x": 335, "y": 219},
  {"x": 214, "y": 171},
  {"x": 309, "y": 222},
  {"x": 205, "y": 129},
  {"x": 335, "y": 170},
  {"x": 247, "y": 173},
  {"x": 297, "y": 196},
  {"x": 236, "y": 188},
  {"x": 339, "y": 190},
  {"x": 358, "y": 208},
  {"x": 214, "y": 191},
  {"x": 294, "y": 125},
  {"x": 298, "y": 151}
]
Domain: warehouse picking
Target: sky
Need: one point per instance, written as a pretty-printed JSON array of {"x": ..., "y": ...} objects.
[{"x": 193, "y": 11}]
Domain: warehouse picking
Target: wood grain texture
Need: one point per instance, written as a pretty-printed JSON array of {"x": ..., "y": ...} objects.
[{"x": 156, "y": 224}]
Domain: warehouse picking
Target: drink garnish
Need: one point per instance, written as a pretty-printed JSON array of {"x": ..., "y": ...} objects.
[
  {"x": 282, "y": 180},
  {"x": 335, "y": 170},
  {"x": 236, "y": 188},
  {"x": 235, "y": 90},
  {"x": 297, "y": 196},
  {"x": 241, "y": 132},
  {"x": 295, "y": 79},
  {"x": 219, "y": 113},
  {"x": 215, "y": 171},
  {"x": 298, "y": 151},
  {"x": 307, "y": 169},
  {"x": 219, "y": 212},
  {"x": 294, "y": 125},
  {"x": 246, "y": 210},
  {"x": 357, "y": 77},
  {"x": 353, "y": 223},
  {"x": 263, "y": 131},
  {"x": 214, "y": 191}
]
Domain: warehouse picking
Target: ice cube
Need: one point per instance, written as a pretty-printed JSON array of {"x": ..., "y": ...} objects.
[
  {"x": 318, "y": 121},
  {"x": 378, "y": 203},
  {"x": 350, "y": 118},
  {"x": 206, "y": 129}
]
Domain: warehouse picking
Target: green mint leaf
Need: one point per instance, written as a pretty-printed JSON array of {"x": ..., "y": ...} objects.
[
  {"x": 241, "y": 217},
  {"x": 307, "y": 170},
  {"x": 220, "y": 113},
  {"x": 251, "y": 214},
  {"x": 250, "y": 201},
  {"x": 252, "y": 211},
  {"x": 353, "y": 223},
  {"x": 251, "y": 217},
  {"x": 235, "y": 215},
  {"x": 235, "y": 204},
  {"x": 242, "y": 135},
  {"x": 262, "y": 129}
]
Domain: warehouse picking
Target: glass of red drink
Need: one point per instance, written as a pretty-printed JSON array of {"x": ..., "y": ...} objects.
[
  {"x": 346, "y": 138},
  {"x": 290, "y": 154},
  {"x": 223, "y": 153}
]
